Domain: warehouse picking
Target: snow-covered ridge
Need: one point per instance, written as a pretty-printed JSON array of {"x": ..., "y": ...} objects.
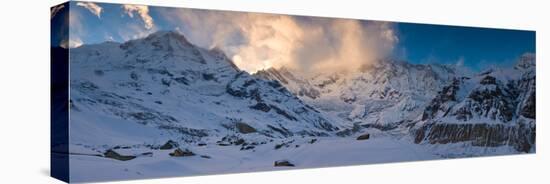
[
  {"x": 176, "y": 90},
  {"x": 385, "y": 94},
  {"x": 393, "y": 94},
  {"x": 493, "y": 108}
]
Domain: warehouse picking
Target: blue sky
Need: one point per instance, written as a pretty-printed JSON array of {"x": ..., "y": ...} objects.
[{"x": 476, "y": 48}]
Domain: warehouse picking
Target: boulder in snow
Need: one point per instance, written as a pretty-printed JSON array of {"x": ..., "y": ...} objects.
[
  {"x": 182, "y": 153},
  {"x": 114, "y": 155},
  {"x": 283, "y": 163},
  {"x": 168, "y": 145},
  {"x": 363, "y": 137},
  {"x": 244, "y": 128}
]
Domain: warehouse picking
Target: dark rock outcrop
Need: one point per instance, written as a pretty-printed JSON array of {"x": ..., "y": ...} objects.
[
  {"x": 283, "y": 163},
  {"x": 114, "y": 155},
  {"x": 182, "y": 153},
  {"x": 448, "y": 93},
  {"x": 261, "y": 107},
  {"x": 169, "y": 145},
  {"x": 244, "y": 128},
  {"x": 495, "y": 104},
  {"x": 363, "y": 137},
  {"x": 529, "y": 108},
  {"x": 521, "y": 136}
]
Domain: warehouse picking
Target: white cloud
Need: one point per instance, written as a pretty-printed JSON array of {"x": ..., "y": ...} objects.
[
  {"x": 258, "y": 41},
  {"x": 55, "y": 10},
  {"x": 142, "y": 11},
  {"x": 92, "y": 7},
  {"x": 73, "y": 42},
  {"x": 110, "y": 38},
  {"x": 77, "y": 31}
]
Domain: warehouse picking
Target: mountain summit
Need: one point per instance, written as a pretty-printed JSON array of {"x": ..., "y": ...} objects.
[{"x": 167, "y": 86}]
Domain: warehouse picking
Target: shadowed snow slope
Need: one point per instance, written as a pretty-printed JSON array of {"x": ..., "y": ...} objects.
[{"x": 171, "y": 88}]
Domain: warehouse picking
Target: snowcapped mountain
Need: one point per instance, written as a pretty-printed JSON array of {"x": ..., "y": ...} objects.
[
  {"x": 439, "y": 104},
  {"x": 384, "y": 95},
  {"x": 160, "y": 106},
  {"x": 492, "y": 108},
  {"x": 162, "y": 87},
  {"x": 144, "y": 103}
]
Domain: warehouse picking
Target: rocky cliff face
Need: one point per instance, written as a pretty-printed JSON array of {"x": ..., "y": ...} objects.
[
  {"x": 520, "y": 136},
  {"x": 441, "y": 104},
  {"x": 493, "y": 108},
  {"x": 299, "y": 87}
]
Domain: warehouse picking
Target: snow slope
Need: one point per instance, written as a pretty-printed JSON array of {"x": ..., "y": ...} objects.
[
  {"x": 325, "y": 152},
  {"x": 164, "y": 82},
  {"x": 385, "y": 94},
  {"x": 140, "y": 94}
]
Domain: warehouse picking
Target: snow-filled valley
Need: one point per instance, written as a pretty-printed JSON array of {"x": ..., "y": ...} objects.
[
  {"x": 160, "y": 106},
  {"x": 215, "y": 159}
]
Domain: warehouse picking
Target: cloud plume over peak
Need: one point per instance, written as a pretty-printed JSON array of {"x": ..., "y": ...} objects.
[
  {"x": 92, "y": 7},
  {"x": 142, "y": 11},
  {"x": 343, "y": 44},
  {"x": 258, "y": 41}
]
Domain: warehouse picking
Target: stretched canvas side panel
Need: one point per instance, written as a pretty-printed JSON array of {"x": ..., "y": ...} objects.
[{"x": 59, "y": 92}]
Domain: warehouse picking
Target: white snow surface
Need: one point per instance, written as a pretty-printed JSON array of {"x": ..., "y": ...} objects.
[{"x": 229, "y": 159}]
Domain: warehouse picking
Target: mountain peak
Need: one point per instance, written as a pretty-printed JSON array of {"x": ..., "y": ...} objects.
[
  {"x": 526, "y": 61},
  {"x": 164, "y": 33},
  {"x": 160, "y": 40},
  {"x": 167, "y": 36}
]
